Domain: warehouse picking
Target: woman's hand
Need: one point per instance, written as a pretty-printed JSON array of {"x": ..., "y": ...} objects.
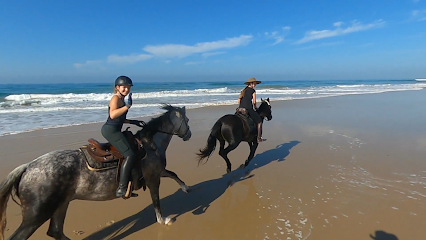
[
  {"x": 137, "y": 123},
  {"x": 129, "y": 100}
]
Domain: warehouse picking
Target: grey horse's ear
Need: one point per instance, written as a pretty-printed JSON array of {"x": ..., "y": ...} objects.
[
  {"x": 261, "y": 99},
  {"x": 184, "y": 109}
]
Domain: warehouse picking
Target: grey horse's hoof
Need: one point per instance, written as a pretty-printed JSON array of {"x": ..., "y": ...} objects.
[
  {"x": 228, "y": 170},
  {"x": 166, "y": 221},
  {"x": 186, "y": 189}
]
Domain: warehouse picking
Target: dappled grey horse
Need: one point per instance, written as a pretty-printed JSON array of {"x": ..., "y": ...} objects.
[{"x": 46, "y": 185}]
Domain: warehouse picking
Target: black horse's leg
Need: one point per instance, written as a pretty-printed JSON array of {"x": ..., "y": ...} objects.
[
  {"x": 223, "y": 152},
  {"x": 221, "y": 149},
  {"x": 174, "y": 176},
  {"x": 249, "y": 156},
  {"x": 154, "y": 188},
  {"x": 253, "y": 148},
  {"x": 32, "y": 218},
  {"x": 56, "y": 227}
]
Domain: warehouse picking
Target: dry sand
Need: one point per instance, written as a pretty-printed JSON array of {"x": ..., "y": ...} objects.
[{"x": 350, "y": 167}]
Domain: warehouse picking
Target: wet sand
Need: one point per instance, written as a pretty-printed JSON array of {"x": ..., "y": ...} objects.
[{"x": 350, "y": 167}]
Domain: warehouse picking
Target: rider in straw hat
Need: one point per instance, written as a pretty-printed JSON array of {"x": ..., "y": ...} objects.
[{"x": 247, "y": 100}]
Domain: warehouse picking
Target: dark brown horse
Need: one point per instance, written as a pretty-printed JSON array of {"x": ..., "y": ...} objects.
[{"x": 233, "y": 129}]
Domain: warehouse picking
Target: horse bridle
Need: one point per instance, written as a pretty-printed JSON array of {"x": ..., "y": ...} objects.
[
  {"x": 176, "y": 133},
  {"x": 269, "y": 104}
]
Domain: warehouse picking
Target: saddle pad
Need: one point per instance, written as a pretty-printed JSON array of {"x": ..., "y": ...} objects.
[{"x": 94, "y": 165}]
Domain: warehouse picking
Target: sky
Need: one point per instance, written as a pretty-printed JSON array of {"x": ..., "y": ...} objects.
[{"x": 90, "y": 41}]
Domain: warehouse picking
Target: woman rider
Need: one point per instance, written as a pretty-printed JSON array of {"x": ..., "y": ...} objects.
[
  {"x": 111, "y": 130},
  {"x": 247, "y": 100}
]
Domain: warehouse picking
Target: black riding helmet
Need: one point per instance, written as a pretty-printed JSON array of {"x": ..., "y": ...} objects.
[{"x": 123, "y": 80}]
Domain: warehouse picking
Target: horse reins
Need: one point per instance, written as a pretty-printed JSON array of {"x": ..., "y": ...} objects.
[{"x": 175, "y": 133}]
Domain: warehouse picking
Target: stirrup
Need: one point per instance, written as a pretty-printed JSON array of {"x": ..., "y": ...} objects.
[{"x": 125, "y": 192}]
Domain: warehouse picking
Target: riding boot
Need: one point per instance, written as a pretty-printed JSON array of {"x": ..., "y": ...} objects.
[
  {"x": 125, "y": 173},
  {"x": 259, "y": 133}
]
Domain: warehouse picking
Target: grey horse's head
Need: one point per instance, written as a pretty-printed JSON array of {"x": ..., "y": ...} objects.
[
  {"x": 173, "y": 122},
  {"x": 180, "y": 121}
]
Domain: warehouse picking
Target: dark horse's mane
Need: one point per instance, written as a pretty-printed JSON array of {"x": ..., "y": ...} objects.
[{"x": 154, "y": 124}]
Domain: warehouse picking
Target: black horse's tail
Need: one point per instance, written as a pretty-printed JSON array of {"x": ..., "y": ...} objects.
[
  {"x": 10, "y": 183},
  {"x": 211, "y": 142}
]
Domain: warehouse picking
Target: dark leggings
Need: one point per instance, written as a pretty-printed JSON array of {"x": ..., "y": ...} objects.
[
  {"x": 114, "y": 136},
  {"x": 254, "y": 115}
]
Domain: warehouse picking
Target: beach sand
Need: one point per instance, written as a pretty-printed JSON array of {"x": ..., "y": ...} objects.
[{"x": 349, "y": 167}]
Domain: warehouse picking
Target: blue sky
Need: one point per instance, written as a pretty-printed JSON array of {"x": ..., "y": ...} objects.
[{"x": 65, "y": 41}]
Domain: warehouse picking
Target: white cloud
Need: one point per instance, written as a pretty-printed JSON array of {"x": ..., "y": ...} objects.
[
  {"x": 129, "y": 59},
  {"x": 278, "y": 40},
  {"x": 181, "y": 50},
  {"x": 167, "y": 61},
  {"x": 278, "y": 36},
  {"x": 355, "y": 27},
  {"x": 193, "y": 63},
  {"x": 209, "y": 54},
  {"x": 89, "y": 63},
  {"x": 419, "y": 15},
  {"x": 338, "y": 24}
]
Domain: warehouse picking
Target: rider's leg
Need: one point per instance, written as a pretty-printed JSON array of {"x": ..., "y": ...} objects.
[
  {"x": 258, "y": 121},
  {"x": 125, "y": 173},
  {"x": 114, "y": 135},
  {"x": 259, "y": 131}
]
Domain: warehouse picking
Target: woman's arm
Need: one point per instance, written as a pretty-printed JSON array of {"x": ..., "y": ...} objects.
[
  {"x": 114, "y": 110},
  {"x": 254, "y": 100}
]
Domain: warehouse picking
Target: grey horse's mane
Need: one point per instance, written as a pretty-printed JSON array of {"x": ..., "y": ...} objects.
[{"x": 155, "y": 123}]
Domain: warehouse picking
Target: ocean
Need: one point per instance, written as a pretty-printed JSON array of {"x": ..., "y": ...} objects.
[{"x": 27, "y": 107}]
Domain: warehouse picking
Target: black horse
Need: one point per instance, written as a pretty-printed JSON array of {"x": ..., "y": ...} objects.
[
  {"x": 46, "y": 185},
  {"x": 234, "y": 129}
]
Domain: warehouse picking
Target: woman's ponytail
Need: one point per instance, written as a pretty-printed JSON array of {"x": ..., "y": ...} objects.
[{"x": 243, "y": 92}]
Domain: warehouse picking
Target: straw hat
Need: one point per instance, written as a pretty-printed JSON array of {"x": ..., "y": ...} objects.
[{"x": 252, "y": 80}]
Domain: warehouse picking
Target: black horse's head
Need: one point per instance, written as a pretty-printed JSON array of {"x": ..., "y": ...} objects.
[{"x": 265, "y": 109}]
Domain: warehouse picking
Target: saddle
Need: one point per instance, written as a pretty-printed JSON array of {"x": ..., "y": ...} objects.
[
  {"x": 106, "y": 152},
  {"x": 103, "y": 156},
  {"x": 248, "y": 123}
]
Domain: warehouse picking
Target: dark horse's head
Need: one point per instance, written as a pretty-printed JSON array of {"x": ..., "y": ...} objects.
[
  {"x": 265, "y": 109},
  {"x": 173, "y": 122}
]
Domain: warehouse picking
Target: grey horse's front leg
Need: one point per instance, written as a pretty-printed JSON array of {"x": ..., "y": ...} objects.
[
  {"x": 154, "y": 189},
  {"x": 174, "y": 176}
]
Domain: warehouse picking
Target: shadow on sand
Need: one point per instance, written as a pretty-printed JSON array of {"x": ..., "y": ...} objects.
[
  {"x": 382, "y": 235},
  {"x": 197, "y": 201}
]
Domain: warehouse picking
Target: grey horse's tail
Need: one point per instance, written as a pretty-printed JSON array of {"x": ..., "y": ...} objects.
[
  {"x": 10, "y": 183},
  {"x": 211, "y": 142}
]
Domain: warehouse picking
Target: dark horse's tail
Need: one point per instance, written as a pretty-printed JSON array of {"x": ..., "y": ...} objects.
[
  {"x": 211, "y": 142},
  {"x": 6, "y": 187}
]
